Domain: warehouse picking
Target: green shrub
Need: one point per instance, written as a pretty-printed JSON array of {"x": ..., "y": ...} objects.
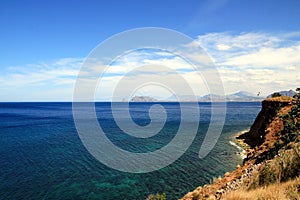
[
  {"x": 267, "y": 176},
  {"x": 292, "y": 168},
  {"x": 290, "y": 131},
  {"x": 276, "y": 94},
  {"x": 157, "y": 196}
]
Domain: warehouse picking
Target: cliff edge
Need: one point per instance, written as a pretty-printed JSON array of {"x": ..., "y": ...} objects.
[{"x": 272, "y": 165}]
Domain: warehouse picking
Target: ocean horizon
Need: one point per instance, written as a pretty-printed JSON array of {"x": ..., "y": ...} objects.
[{"x": 42, "y": 156}]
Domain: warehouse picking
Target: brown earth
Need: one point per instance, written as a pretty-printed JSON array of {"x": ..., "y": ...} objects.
[{"x": 257, "y": 141}]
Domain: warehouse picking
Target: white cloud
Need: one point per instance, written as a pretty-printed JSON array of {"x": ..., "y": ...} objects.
[
  {"x": 235, "y": 44},
  {"x": 268, "y": 57},
  {"x": 144, "y": 69},
  {"x": 223, "y": 47},
  {"x": 255, "y": 61},
  {"x": 43, "y": 73},
  {"x": 40, "y": 82}
]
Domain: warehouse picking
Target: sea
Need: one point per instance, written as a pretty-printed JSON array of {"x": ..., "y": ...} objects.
[{"x": 42, "y": 156}]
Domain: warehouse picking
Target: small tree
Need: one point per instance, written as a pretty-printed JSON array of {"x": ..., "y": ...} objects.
[
  {"x": 276, "y": 94},
  {"x": 297, "y": 93}
]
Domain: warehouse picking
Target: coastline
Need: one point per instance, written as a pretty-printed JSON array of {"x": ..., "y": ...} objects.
[
  {"x": 268, "y": 152},
  {"x": 239, "y": 144}
]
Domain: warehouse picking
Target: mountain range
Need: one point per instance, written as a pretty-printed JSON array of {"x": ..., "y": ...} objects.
[
  {"x": 289, "y": 93},
  {"x": 241, "y": 96}
]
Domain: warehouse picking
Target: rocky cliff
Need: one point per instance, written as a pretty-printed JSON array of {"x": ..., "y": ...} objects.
[
  {"x": 273, "y": 153},
  {"x": 270, "y": 108}
]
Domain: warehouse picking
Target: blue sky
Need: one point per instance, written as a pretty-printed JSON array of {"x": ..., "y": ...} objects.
[{"x": 46, "y": 41}]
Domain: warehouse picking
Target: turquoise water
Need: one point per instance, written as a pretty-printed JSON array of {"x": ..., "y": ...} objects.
[{"x": 42, "y": 157}]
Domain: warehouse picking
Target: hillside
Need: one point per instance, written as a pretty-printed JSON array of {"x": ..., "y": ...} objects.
[{"x": 272, "y": 166}]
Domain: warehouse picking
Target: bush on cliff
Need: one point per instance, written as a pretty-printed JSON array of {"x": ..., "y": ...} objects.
[
  {"x": 276, "y": 94},
  {"x": 291, "y": 122},
  {"x": 157, "y": 196}
]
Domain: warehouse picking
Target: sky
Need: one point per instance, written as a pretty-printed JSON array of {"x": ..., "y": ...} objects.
[{"x": 255, "y": 45}]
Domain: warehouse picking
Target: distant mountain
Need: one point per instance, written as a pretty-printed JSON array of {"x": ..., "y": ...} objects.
[
  {"x": 142, "y": 99},
  {"x": 241, "y": 96},
  {"x": 182, "y": 98},
  {"x": 289, "y": 93},
  {"x": 212, "y": 98}
]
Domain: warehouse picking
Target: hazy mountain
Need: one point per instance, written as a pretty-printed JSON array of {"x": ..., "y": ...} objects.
[
  {"x": 142, "y": 99},
  {"x": 212, "y": 97},
  {"x": 289, "y": 93},
  {"x": 240, "y": 96},
  {"x": 182, "y": 98},
  {"x": 243, "y": 96}
]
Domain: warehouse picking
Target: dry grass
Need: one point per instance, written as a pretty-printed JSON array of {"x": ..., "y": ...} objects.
[
  {"x": 281, "y": 99},
  {"x": 279, "y": 191},
  {"x": 282, "y": 168},
  {"x": 286, "y": 166},
  {"x": 274, "y": 165}
]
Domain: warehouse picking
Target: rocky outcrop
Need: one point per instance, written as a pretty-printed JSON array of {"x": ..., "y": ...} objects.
[
  {"x": 270, "y": 108},
  {"x": 261, "y": 139}
]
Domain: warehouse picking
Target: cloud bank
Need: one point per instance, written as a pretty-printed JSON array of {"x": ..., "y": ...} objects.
[
  {"x": 256, "y": 62},
  {"x": 253, "y": 61}
]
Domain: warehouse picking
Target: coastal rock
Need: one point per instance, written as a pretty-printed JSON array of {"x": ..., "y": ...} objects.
[
  {"x": 259, "y": 140},
  {"x": 221, "y": 191},
  {"x": 227, "y": 174},
  {"x": 270, "y": 107}
]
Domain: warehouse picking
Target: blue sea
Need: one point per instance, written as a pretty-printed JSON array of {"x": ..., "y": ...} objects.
[{"x": 42, "y": 156}]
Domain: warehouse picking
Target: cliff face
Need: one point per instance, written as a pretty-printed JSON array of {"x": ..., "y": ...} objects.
[
  {"x": 268, "y": 139},
  {"x": 270, "y": 110},
  {"x": 266, "y": 129}
]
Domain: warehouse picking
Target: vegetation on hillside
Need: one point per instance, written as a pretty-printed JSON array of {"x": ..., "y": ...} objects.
[
  {"x": 291, "y": 122},
  {"x": 279, "y": 176},
  {"x": 288, "y": 190},
  {"x": 276, "y": 94},
  {"x": 157, "y": 196},
  {"x": 289, "y": 134},
  {"x": 272, "y": 167}
]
